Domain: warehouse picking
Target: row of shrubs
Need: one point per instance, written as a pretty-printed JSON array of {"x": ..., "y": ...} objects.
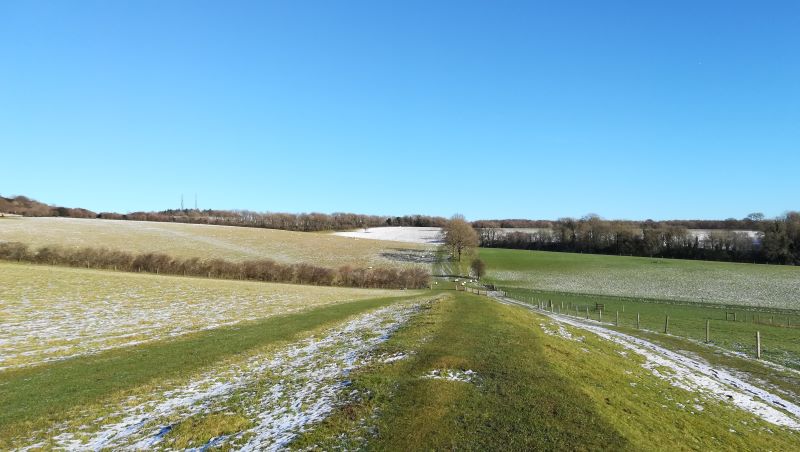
[{"x": 254, "y": 270}]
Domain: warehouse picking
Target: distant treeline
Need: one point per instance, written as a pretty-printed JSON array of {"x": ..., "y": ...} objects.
[
  {"x": 25, "y": 206},
  {"x": 306, "y": 222},
  {"x": 752, "y": 222},
  {"x": 778, "y": 241},
  {"x": 254, "y": 270}
]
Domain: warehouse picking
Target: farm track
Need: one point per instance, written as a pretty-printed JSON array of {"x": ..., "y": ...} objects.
[
  {"x": 688, "y": 373},
  {"x": 272, "y": 396}
]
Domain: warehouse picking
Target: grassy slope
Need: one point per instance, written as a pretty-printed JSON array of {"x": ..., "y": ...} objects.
[
  {"x": 205, "y": 241},
  {"x": 51, "y": 312},
  {"x": 33, "y": 398},
  {"x": 674, "y": 279},
  {"x": 779, "y": 343},
  {"x": 535, "y": 392}
]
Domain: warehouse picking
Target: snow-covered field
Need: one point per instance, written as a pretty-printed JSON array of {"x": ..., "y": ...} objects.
[
  {"x": 397, "y": 234},
  {"x": 271, "y": 395},
  {"x": 49, "y": 313},
  {"x": 688, "y": 373}
]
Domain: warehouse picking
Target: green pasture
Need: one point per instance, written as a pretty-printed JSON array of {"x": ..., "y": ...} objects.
[{"x": 764, "y": 286}]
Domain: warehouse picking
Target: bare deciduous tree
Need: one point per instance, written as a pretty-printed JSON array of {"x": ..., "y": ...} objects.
[{"x": 459, "y": 235}]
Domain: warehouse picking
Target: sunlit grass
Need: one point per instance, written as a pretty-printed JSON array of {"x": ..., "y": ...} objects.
[
  {"x": 533, "y": 391},
  {"x": 208, "y": 241},
  {"x": 769, "y": 286},
  {"x": 50, "y": 313}
]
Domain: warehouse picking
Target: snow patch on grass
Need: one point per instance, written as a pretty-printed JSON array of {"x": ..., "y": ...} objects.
[
  {"x": 463, "y": 376},
  {"x": 52, "y": 313},
  {"x": 394, "y": 357},
  {"x": 560, "y": 331},
  {"x": 693, "y": 374},
  {"x": 281, "y": 394}
]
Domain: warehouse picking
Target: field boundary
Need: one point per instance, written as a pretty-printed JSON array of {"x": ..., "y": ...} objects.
[{"x": 263, "y": 270}]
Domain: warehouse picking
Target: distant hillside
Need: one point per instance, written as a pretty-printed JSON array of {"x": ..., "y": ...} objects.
[
  {"x": 306, "y": 222},
  {"x": 22, "y": 205}
]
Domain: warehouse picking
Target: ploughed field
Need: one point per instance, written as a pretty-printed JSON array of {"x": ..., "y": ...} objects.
[
  {"x": 765, "y": 286},
  {"x": 210, "y": 241}
]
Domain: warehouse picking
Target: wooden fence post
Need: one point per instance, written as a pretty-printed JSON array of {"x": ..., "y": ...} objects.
[
  {"x": 708, "y": 330},
  {"x": 637, "y": 321},
  {"x": 666, "y": 324},
  {"x": 599, "y": 315},
  {"x": 617, "y": 322},
  {"x": 587, "y": 312},
  {"x": 758, "y": 345}
]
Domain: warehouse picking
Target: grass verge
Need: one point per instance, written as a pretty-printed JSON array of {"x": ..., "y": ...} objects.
[{"x": 779, "y": 343}]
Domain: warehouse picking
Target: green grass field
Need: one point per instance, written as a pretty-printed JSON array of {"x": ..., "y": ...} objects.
[
  {"x": 766, "y": 286},
  {"x": 208, "y": 241},
  {"x": 529, "y": 391}
]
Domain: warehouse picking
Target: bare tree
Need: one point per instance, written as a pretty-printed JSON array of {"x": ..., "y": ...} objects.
[{"x": 459, "y": 235}]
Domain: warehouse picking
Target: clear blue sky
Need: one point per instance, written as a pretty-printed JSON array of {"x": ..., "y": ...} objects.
[{"x": 634, "y": 109}]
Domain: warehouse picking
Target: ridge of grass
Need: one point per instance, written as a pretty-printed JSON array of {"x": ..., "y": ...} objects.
[
  {"x": 518, "y": 403},
  {"x": 534, "y": 391}
]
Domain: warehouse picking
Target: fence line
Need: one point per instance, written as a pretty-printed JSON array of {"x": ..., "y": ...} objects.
[{"x": 547, "y": 305}]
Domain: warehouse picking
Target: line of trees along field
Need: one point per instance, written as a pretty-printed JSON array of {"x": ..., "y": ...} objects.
[
  {"x": 265, "y": 270},
  {"x": 304, "y": 222},
  {"x": 778, "y": 243}
]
